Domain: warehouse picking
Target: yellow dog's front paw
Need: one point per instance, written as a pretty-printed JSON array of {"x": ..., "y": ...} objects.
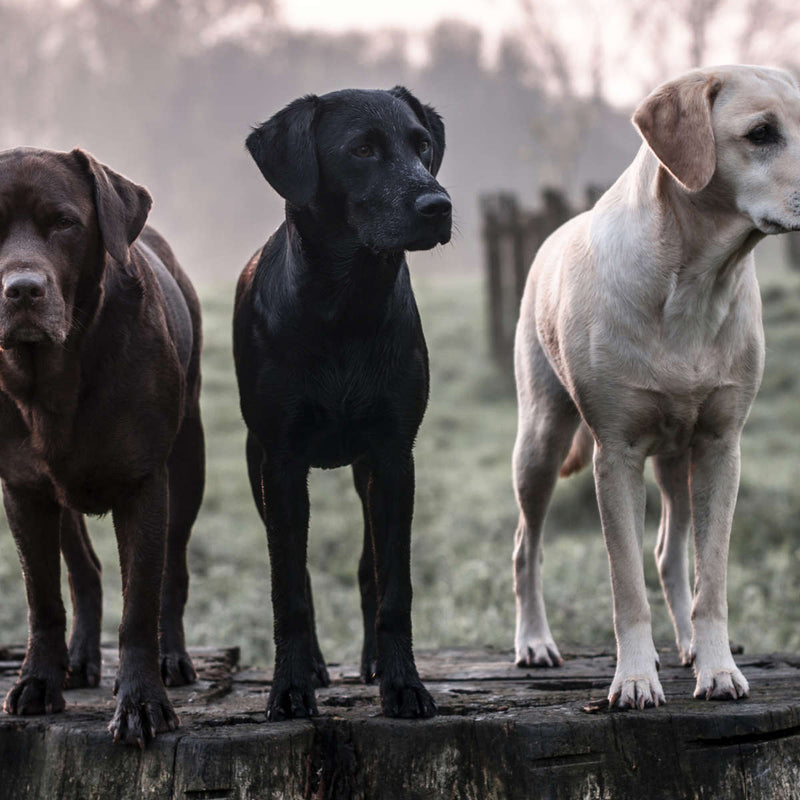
[
  {"x": 726, "y": 683},
  {"x": 636, "y": 691}
]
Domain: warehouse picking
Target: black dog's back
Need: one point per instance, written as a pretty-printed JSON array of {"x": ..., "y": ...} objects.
[{"x": 332, "y": 364}]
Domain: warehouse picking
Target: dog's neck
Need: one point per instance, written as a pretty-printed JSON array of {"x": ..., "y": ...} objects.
[
  {"x": 694, "y": 248},
  {"x": 347, "y": 280},
  {"x": 711, "y": 237}
]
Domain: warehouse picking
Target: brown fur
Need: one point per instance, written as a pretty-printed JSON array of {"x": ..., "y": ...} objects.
[{"x": 99, "y": 390}]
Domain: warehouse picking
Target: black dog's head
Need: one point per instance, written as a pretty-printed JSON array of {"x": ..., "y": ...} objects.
[
  {"x": 366, "y": 158},
  {"x": 59, "y": 214}
]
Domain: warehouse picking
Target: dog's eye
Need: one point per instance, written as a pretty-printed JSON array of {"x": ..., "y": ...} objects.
[
  {"x": 763, "y": 134},
  {"x": 424, "y": 146},
  {"x": 64, "y": 223},
  {"x": 364, "y": 151}
]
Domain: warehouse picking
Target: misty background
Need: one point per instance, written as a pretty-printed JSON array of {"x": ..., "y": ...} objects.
[
  {"x": 165, "y": 91},
  {"x": 533, "y": 95}
]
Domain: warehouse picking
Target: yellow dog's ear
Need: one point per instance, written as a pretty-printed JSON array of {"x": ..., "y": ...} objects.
[{"x": 675, "y": 121}]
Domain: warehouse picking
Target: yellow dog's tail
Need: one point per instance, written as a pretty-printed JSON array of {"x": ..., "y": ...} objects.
[{"x": 580, "y": 453}]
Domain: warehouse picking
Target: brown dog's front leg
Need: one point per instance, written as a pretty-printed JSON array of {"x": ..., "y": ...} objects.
[
  {"x": 140, "y": 522},
  {"x": 286, "y": 510},
  {"x": 391, "y": 507},
  {"x": 33, "y": 518}
]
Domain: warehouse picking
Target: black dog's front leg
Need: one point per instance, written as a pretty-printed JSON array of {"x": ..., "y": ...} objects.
[
  {"x": 255, "y": 457},
  {"x": 33, "y": 517},
  {"x": 391, "y": 505},
  {"x": 285, "y": 490},
  {"x": 366, "y": 576},
  {"x": 140, "y": 522}
]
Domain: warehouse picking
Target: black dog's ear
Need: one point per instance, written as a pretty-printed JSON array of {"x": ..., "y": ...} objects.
[
  {"x": 285, "y": 151},
  {"x": 430, "y": 119},
  {"x": 122, "y": 206}
]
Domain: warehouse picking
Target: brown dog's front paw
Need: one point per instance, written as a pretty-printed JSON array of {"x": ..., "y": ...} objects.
[
  {"x": 409, "y": 701},
  {"x": 177, "y": 668},
  {"x": 140, "y": 715},
  {"x": 291, "y": 700},
  {"x": 33, "y": 694}
]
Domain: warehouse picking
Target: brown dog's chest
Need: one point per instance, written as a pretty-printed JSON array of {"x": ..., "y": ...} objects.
[{"x": 87, "y": 460}]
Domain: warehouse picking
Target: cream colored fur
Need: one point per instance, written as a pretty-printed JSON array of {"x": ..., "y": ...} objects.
[{"x": 640, "y": 327}]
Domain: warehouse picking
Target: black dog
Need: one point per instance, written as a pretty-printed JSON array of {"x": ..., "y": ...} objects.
[
  {"x": 332, "y": 364},
  {"x": 99, "y": 411}
]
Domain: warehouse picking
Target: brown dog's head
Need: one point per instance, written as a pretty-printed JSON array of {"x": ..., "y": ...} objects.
[{"x": 60, "y": 214}]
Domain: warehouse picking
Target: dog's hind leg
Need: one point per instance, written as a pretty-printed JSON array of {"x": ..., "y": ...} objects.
[
  {"x": 86, "y": 590},
  {"x": 672, "y": 476},
  {"x": 366, "y": 578},
  {"x": 547, "y": 422},
  {"x": 255, "y": 456},
  {"x": 186, "y": 482}
]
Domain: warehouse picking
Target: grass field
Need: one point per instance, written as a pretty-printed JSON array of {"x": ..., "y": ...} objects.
[{"x": 465, "y": 511}]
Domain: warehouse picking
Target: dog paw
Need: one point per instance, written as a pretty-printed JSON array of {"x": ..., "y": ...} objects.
[
  {"x": 721, "y": 684},
  {"x": 636, "y": 691},
  {"x": 407, "y": 701},
  {"x": 33, "y": 694},
  {"x": 142, "y": 713},
  {"x": 538, "y": 653},
  {"x": 686, "y": 654},
  {"x": 84, "y": 668},
  {"x": 291, "y": 700},
  {"x": 320, "y": 677},
  {"x": 177, "y": 668},
  {"x": 369, "y": 668}
]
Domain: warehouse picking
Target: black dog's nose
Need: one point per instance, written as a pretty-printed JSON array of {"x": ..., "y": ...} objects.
[
  {"x": 433, "y": 205},
  {"x": 24, "y": 287}
]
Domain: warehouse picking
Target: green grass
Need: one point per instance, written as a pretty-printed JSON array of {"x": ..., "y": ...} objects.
[{"x": 465, "y": 512}]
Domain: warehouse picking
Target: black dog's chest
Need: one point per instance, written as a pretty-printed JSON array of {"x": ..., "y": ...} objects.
[{"x": 343, "y": 413}]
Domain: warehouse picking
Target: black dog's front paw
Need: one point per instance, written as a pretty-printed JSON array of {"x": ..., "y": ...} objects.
[
  {"x": 177, "y": 668},
  {"x": 36, "y": 694},
  {"x": 291, "y": 700},
  {"x": 141, "y": 713},
  {"x": 410, "y": 700}
]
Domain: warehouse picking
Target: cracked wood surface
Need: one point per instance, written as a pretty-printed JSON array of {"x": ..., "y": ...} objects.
[{"x": 502, "y": 732}]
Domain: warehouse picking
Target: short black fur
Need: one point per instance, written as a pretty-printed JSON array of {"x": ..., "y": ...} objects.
[{"x": 333, "y": 368}]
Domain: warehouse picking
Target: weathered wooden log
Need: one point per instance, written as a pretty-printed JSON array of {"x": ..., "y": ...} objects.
[{"x": 501, "y": 732}]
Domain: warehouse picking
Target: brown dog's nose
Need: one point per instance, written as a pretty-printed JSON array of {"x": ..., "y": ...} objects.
[{"x": 24, "y": 287}]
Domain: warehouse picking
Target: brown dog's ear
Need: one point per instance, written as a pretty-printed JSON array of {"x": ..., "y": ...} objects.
[
  {"x": 122, "y": 206},
  {"x": 675, "y": 121},
  {"x": 286, "y": 153},
  {"x": 430, "y": 119}
]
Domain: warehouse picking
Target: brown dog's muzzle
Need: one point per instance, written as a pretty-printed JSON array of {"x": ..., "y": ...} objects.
[{"x": 29, "y": 311}]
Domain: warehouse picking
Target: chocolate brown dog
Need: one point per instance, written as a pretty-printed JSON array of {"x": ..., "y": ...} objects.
[
  {"x": 332, "y": 364},
  {"x": 99, "y": 391}
]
